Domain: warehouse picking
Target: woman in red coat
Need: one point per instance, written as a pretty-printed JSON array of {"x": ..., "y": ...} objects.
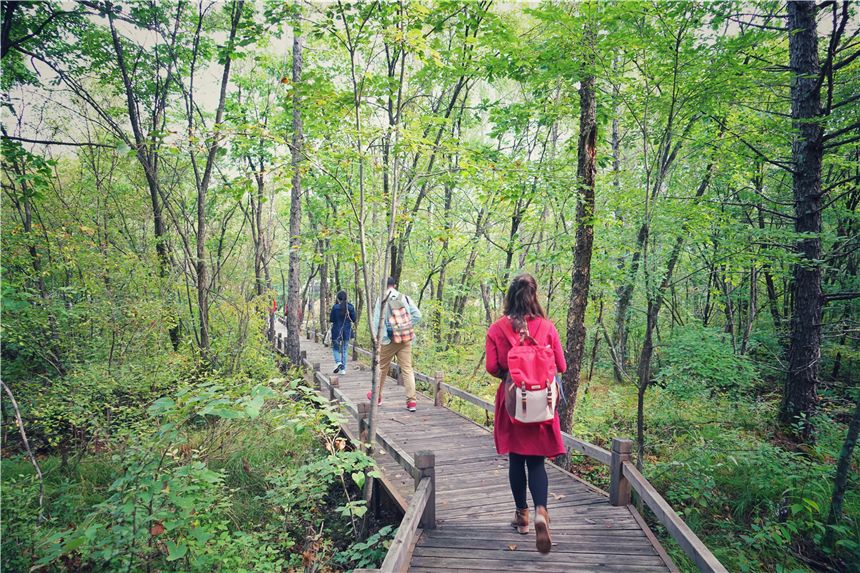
[{"x": 526, "y": 445}]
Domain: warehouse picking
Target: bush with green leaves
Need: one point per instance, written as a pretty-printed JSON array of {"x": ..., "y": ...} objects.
[
  {"x": 699, "y": 361},
  {"x": 368, "y": 553},
  {"x": 229, "y": 477}
]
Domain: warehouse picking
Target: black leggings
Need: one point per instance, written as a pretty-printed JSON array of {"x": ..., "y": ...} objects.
[{"x": 537, "y": 481}]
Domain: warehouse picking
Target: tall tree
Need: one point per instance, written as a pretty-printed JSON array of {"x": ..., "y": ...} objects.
[
  {"x": 804, "y": 353},
  {"x": 294, "y": 295},
  {"x": 581, "y": 280}
]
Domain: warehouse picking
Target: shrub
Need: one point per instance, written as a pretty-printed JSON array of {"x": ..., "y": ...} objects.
[{"x": 699, "y": 361}]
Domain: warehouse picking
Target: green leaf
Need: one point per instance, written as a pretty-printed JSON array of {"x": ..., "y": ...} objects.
[
  {"x": 161, "y": 406},
  {"x": 358, "y": 478},
  {"x": 175, "y": 551},
  {"x": 252, "y": 408}
]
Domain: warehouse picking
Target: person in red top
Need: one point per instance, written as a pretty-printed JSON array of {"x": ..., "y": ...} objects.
[{"x": 527, "y": 445}]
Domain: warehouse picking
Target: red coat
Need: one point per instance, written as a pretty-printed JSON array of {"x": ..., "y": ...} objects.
[{"x": 527, "y": 440}]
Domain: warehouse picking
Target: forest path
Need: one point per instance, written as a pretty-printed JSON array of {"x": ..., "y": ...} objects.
[{"x": 473, "y": 501}]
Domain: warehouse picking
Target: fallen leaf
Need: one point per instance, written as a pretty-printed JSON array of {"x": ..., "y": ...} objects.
[
  {"x": 156, "y": 529},
  {"x": 512, "y": 547}
]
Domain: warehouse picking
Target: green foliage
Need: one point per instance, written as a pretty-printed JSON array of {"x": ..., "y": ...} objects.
[
  {"x": 177, "y": 501},
  {"x": 699, "y": 361},
  {"x": 369, "y": 553}
]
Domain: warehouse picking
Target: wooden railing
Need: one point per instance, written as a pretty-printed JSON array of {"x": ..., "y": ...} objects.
[
  {"x": 421, "y": 509},
  {"x": 623, "y": 474}
]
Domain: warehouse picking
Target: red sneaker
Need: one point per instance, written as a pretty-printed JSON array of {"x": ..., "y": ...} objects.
[
  {"x": 370, "y": 397},
  {"x": 411, "y": 405}
]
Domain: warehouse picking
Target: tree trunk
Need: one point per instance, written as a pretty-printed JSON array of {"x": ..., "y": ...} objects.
[
  {"x": 148, "y": 159},
  {"x": 575, "y": 345},
  {"x": 294, "y": 297},
  {"x": 842, "y": 468},
  {"x": 804, "y": 353},
  {"x": 619, "y": 341},
  {"x": 324, "y": 286},
  {"x": 440, "y": 288},
  {"x": 203, "y": 189}
]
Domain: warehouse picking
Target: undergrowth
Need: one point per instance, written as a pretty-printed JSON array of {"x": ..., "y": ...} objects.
[{"x": 217, "y": 475}]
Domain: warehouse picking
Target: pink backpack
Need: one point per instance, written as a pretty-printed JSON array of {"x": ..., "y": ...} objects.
[{"x": 531, "y": 392}]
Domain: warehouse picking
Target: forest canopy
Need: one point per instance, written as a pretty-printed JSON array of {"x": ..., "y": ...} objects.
[{"x": 681, "y": 178}]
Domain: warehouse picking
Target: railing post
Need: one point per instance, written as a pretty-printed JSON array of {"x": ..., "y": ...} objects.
[
  {"x": 316, "y": 336},
  {"x": 438, "y": 392},
  {"x": 333, "y": 383},
  {"x": 619, "y": 487},
  {"x": 354, "y": 350},
  {"x": 308, "y": 332},
  {"x": 304, "y": 354},
  {"x": 280, "y": 341},
  {"x": 425, "y": 462},
  {"x": 399, "y": 374},
  {"x": 316, "y": 366},
  {"x": 363, "y": 413}
]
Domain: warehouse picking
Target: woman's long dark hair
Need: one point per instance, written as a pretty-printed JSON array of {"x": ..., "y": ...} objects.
[
  {"x": 341, "y": 298},
  {"x": 521, "y": 302}
]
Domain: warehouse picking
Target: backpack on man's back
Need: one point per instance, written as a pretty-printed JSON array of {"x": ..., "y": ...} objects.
[{"x": 400, "y": 327}]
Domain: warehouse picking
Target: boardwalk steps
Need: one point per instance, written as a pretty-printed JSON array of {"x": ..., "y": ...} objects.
[{"x": 443, "y": 470}]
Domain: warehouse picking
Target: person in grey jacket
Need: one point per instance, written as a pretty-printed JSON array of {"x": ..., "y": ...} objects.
[{"x": 401, "y": 315}]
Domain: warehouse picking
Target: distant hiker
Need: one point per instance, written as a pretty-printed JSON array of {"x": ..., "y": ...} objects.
[
  {"x": 342, "y": 318},
  {"x": 401, "y": 316},
  {"x": 524, "y": 350}
]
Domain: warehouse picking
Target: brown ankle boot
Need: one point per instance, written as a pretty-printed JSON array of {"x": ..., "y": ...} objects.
[
  {"x": 543, "y": 539},
  {"x": 521, "y": 521}
]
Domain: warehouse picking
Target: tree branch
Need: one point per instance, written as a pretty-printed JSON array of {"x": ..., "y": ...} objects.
[{"x": 51, "y": 142}]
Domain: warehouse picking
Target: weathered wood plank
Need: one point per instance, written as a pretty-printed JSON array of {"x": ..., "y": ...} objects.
[
  {"x": 595, "y": 452},
  {"x": 471, "y": 398},
  {"x": 530, "y": 560},
  {"x": 560, "y": 545},
  {"x": 398, "y": 556}
]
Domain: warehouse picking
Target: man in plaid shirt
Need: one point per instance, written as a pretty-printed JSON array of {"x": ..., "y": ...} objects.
[{"x": 401, "y": 316}]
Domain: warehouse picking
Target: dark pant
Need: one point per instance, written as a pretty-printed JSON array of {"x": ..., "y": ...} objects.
[{"x": 537, "y": 481}]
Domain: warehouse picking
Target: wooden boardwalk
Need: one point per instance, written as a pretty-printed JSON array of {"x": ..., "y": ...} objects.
[{"x": 474, "y": 503}]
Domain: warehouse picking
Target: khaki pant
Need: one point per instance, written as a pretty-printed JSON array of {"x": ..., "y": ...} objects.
[{"x": 403, "y": 352}]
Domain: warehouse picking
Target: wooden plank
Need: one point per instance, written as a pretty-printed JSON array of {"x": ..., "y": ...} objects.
[
  {"x": 402, "y": 458},
  {"x": 389, "y": 485},
  {"x": 680, "y": 531},
  {"x": 526, "y": 558},
  {"x": 439, "y": 566},
  {"x": 501, "y": 533},
  {"x": 398, "y": 555},
  {"x": 590, "y": 450},
  {"x": 471, "y": 398},
  {"x": 566, "y": 545}
]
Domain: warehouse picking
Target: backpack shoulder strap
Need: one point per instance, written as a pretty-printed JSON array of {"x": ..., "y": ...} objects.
[
  {"x": 508, "y": 331},
  {"x": 538, "y": 330}
]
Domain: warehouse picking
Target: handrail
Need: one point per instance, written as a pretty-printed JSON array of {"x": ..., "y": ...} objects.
[
  {"x": 406, "y": 461},
  {"x": 399, "y": 553},
  {"x": 680, "y": 531},
  {"x": 623, "y": 475}
]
